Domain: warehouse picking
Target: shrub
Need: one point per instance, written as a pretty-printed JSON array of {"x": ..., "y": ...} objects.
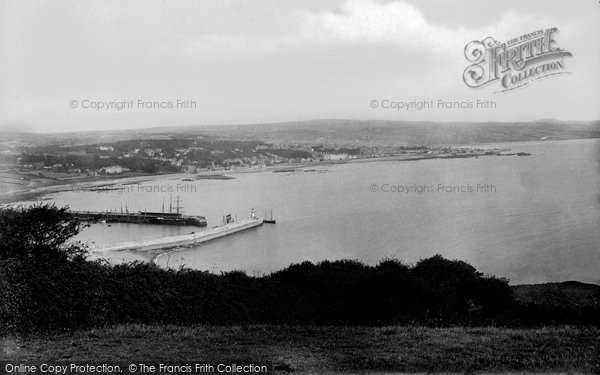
[
  {"x": 45, "y": 284},
  {"x": 41, "y": 230}
]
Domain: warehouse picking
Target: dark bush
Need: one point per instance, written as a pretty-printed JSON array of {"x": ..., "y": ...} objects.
[
  {"x": 41, "y": 230},
  {"x": 51, "y": 293},
  {"x": 47, "y": 285}
]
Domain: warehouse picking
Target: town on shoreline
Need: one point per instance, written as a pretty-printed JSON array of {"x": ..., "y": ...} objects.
[{"x": 30, "y": 171}]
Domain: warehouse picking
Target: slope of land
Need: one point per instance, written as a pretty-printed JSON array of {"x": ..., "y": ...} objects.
[
  {"x": 325, "y": 349},
  {"x": 400, "y": 133},
  {"x": 566, "y": 294},
  {"x": 341, "y": 132},
  {"x": 328, "y": 349}
]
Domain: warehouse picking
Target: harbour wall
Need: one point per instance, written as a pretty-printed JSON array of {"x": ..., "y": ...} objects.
[{"x": 182, "y": 240}]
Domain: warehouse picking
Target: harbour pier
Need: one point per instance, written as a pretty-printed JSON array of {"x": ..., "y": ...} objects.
[
  {"x": 173, "y": 217},
  {"x": 184, "y": 240},
  {"x": 142, "y": 217}
]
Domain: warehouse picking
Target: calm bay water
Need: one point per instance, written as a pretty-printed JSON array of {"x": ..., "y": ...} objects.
[{"x": 541, "y": 223}]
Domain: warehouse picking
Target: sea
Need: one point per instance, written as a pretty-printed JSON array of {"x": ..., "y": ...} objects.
[{"x": 530, "y": 219}]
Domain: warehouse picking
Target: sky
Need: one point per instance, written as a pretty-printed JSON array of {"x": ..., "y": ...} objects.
[{"x": 257, "y": 61}]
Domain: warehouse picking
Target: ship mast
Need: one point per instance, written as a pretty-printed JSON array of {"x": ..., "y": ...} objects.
[{"x": 178, "y": 206}]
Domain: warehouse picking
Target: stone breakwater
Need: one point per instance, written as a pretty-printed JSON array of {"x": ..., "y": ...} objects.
[{"x": 182, "y": 240}]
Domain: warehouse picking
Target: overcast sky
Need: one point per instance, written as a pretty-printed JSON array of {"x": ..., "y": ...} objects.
[{"x": 249, "y": 61}]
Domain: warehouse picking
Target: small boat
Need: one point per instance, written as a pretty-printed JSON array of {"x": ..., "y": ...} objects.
[{"x": 269, "y": 221}]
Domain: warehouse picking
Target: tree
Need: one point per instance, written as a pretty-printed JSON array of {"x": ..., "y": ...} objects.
[
  {"x": 446, "y": 286},
  {"x": 40, "y": 230}
]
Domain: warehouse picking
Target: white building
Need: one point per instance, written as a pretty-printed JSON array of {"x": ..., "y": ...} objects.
[
  {"x": 113, "y": 169},
  {"x": 341, "y": 156}
]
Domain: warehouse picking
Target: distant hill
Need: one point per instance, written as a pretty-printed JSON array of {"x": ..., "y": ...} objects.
[
  {"x": 397, "y": 133},
  {"x": 567, "y": 294},
  {"x": 348, "y": 133}
]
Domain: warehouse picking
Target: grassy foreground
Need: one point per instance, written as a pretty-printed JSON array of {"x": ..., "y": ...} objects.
[{"x": 323, "y": 349}]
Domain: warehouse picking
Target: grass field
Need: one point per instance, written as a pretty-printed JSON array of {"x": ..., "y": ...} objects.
[{"x": 323, "y": 349}]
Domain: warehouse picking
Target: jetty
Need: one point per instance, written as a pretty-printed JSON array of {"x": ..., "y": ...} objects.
[
  {"x": 184, "y": 240},
  {"x": 142, "y": 217}
]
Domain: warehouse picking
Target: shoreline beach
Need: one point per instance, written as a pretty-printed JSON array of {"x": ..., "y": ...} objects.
[{"x": 50, "y": 186}]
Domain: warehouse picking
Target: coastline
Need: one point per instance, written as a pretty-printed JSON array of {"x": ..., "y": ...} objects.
[{"x": 50, "y": 186}]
